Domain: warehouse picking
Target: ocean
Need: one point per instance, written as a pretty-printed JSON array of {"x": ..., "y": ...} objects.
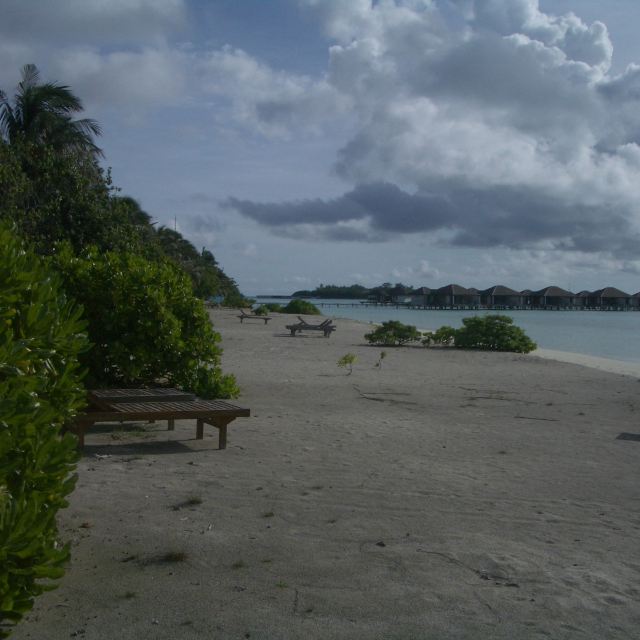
[{"x": 604, "y": 334}]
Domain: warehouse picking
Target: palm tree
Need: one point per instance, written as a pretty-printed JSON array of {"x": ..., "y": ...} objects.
[{"x": 42, "y": 113}]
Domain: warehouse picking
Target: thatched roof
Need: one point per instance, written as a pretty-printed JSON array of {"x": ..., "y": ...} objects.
[
  {"x": 455, "y": 290},
  {"x": 553, "y": 292},
  {"x": 610, "y": 292},
  {"x": 422, "y": 291},
  {"x": 500, "y": 290}
]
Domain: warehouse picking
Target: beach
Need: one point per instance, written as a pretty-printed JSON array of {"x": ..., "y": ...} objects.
[{"x": 443, "y": 494}]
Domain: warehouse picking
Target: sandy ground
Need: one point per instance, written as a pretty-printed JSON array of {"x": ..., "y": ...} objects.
[{"x": 447, "y": 494}]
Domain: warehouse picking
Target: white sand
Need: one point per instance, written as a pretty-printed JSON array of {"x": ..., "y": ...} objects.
[
  {"x": 447, "y": 495},
  {"x": 604, "y": 364}
]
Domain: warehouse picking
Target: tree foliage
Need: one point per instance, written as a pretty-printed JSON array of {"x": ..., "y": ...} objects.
[
  {"x": 393, "y": 333},
  {"x": 145, "y": 323},
  {"x": 334, "y": 291},
  {"x": 494, "y": 333},
  {"x": 42, "y": 114},
  {"x": 41, "y": 337},
  {"x": 301, "y": 307}
]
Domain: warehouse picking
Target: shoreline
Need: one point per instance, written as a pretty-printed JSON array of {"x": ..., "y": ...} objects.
[
  {"x": 610, "y": 365},
  {"x": 620, "y": 367}
]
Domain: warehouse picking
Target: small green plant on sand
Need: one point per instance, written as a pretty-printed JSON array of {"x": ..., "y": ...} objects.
[
  {"x": 381, "y": 357},
  {"x": 347, "y": 361}
]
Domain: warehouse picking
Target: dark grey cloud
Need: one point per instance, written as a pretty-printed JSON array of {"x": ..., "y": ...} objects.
[{"x": 501, "y": 216}]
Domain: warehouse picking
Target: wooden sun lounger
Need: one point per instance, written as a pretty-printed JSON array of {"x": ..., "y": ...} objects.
[
  {"x": 326, "y": 327},
  {"x": 104, "y": 398},
  {"x": 246, "y": 316},
  {"x": 217, "y": 413}
]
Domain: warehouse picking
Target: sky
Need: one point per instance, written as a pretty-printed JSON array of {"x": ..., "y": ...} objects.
[{"x": 308, "y": 142}]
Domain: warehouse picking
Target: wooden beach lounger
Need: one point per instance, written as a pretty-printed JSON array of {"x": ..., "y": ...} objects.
[
  {"x": 158, "y": 404},
  {"x": 245, "y": 316},
  {"x": 326, "y": 327}
]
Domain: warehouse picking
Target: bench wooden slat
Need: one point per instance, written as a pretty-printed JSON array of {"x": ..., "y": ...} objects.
[
  {"x": 103, "y": 398},
  {"x": 215, "y": 412}
]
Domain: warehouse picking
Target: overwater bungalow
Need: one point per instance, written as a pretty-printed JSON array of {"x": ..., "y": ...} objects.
[
  {"x": 420, "y": 297},
  {"x": 610, "y": 298},
  {"x": 581, "y": 299},
  {"x": 551, "y": 297},
  {"x": 453, "y": 295},
  {"x": 501, "y": 296}
]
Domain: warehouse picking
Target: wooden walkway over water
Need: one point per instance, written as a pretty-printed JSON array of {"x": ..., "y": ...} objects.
[{"x": 456, "y": 307}]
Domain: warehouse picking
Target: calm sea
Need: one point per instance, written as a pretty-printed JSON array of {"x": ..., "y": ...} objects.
[{"x": 606, "y": 334}]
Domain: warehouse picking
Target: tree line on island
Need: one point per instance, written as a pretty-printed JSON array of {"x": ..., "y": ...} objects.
[{"x": 92, "y": 294}]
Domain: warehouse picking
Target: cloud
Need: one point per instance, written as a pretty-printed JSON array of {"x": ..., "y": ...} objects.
[
  {"x": 91, "y": 22},
  {"x": 487, "y": 123},
  {"x": 266, "y": 100},
  {"x": 481, "y": 123},
  {"x": 473, "y": 217}
]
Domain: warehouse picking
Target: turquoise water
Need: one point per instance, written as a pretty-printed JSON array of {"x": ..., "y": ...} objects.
[{"x": 606, "y": 334}]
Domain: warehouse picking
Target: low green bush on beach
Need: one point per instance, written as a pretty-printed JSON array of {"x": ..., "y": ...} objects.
[
  {"x": 146, "y": 325},
  {"x": 41, "y": 336},
  {"x": 393, "y": 333},
  {"x": 489, "y": 333},
  {"x": 301, "y": 307},
  {"x": 443, "y": 336},
  {"x": 493, "y": 333},
  {"x": 262, "y": 310}
]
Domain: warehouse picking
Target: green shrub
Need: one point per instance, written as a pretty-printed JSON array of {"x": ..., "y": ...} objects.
[
  {"x": 262, "y": 310},
  {"x": 444, "y": 335},
  {"x": 301, "y": 307},
  {"x": 146, "y": 325},
  {"x": 494, "y": 333},
  {"x": 273, "y": 307},
  {"x": 41, "y": 335},
  {"x": 393, "y": 333}
]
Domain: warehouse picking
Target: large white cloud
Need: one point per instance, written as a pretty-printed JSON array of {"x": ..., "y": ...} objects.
[{"x": 488, "y": 120}]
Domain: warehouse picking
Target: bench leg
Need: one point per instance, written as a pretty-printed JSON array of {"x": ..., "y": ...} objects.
[
  {"x": 80, "y": 434},
  {"x": 200, "y": 429},
  {"x": 222, "y": 436},
  {"x": 78, "y": 429},
  {"x": 171, "y": 424},
  {"x": 221, "y": 425}
]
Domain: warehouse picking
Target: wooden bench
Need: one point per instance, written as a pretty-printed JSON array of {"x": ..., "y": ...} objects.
[
  {"x": 217, "y": 413},
  {"x": 326, "y": 327},
  {"x": 246, "y": 316}
]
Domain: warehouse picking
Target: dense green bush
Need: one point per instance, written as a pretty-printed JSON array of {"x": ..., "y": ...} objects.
[
  {"x": 273, "y": 307},
  {"x": 301, "y": 307},
  {"x": 262, "y": 310},
  {"x": 494, "y": 333},
  {"x": 41, "y": 335},
  {"x": 443, "y": 336},
  {"x": 393, "y": 333},
  {"x": 145, "y": 323}
]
